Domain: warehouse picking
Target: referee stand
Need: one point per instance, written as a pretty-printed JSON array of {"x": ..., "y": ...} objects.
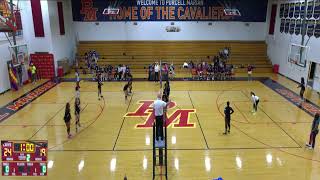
[{"x": 160, "y": 152}]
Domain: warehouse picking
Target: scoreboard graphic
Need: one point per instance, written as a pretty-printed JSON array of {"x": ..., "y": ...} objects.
[{"x": 24, "y": 158}]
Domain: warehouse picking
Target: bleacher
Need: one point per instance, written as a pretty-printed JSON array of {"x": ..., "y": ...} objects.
[{"x": 139, "y": 54}]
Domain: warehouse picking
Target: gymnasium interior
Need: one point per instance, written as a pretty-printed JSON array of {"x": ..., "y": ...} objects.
[{"x": 80, "y": 81}]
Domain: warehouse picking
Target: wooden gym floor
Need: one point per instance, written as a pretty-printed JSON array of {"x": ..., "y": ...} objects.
[{"x": 266, "y": 145}]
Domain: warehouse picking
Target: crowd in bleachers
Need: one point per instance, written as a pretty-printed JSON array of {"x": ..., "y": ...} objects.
[
  {"x": 167, "y": 71},
  {"x": 215, "y": 68},
  {"x": 120, "y": 72}
]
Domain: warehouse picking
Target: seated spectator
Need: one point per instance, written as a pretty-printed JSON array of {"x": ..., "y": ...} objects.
[
  {"x": 200, "y": 70},
  {"x": 191, "y": 65},
  {"x": 226, "y": 52},
  {"x": 185, "y": 65},
  {"x": 210, "y": 72},
  {"x": 109, "y": 71},
  {"x": 127, "y": 73},
  {"x": 123, "y": 71}
]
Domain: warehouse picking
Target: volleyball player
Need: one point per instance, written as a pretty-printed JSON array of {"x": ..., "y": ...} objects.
[
  {"x": 314, "y": 132},
  {"x": 99, "y": 86},
  {"x": 77, "y": 112},
  {"x": 77, "y": 78},
  {"x": 227, "y": 112},
  {"x": 67, "y": 118},
  {"x": 303, "y": 88},
  {"x": 77, "y": 92},
  {"x": 126, "y": 90},
  {"x": 166, "y": 90},
  {"x": 255, "y": 101}
]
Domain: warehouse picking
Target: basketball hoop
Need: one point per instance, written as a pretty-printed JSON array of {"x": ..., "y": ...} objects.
[
  {"x": 232, "y": 12},
  {"x": 111, "y": 11}
]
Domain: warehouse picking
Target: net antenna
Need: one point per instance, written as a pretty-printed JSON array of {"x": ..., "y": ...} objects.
[
  {"x": 113, "y": 7},
  {"x": 230, "y": 8}
]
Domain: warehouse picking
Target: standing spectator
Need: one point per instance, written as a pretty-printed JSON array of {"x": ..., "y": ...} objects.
[
  {"x": 123, "y": 72},
  {"x": 33, "y": 73},
  {"x": 314, "y": 132},
  {"x": 249, "y": 68},
  {"x": 119, "y": 72},
  {"x": 156, "y": 72},
  {"x": 303, "y": 88},
  {"x": 255, "y": 101},
  {"x": 150, "y": 70},
  {"x": 227, "y": 112}
]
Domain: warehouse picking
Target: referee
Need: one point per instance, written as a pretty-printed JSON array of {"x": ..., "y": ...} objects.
[{"x": 158, "y": 107}]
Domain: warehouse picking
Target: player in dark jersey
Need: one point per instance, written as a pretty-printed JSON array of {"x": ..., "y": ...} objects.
[
  {"x": 314, "y": 132},
  {"x": 77, "y": 112},
  {"x": 99, "y": 86},
  {"x": 303, "y": 88},
  {"x": 166, "y": 90},
  {"x": 125, "y": 90},
  {"x": 227, "y": 112},
  {"x": 67, "y": 118}
]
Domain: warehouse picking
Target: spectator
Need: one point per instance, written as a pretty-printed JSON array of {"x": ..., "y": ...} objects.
[
  {"x": 249, "y": 68},
  {"x": 171, "y": 72},
  {"x": 33, "y": 73},
  {"x": 150, "y": 70},
  {"x": 156, "y": 72}
]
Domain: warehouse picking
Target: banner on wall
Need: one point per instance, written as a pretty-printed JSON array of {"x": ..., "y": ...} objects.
[
  {"x": 286, "y": 10},
  {"x": 310, "y": 9},
  {"x": 316, "y": 13},
  {"x": 310, "y": 27},
  {"x": 283, "y": 21},
  {"x": 302, "y": 10},
  {"x": 281, "y": 10},
  {"x": 292, "y": 26},
  {"x": 297, "y": 9},
  {"x": 291, "y": 10},
  {"x": 297, "y": 29},
  {"x": 168, "y": 10},
  {"x": 317, "y": 29},
  {"x": 286, "y": 26}
]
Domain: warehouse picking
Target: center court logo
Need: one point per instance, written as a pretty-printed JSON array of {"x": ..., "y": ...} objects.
[{"x": 177, "y": 119}]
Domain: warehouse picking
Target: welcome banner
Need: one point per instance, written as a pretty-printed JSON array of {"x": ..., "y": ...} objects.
[{"x": 169, "y": 10}]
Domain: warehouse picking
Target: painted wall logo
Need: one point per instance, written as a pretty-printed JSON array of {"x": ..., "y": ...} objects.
[{"x": 177, "y": 119}]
